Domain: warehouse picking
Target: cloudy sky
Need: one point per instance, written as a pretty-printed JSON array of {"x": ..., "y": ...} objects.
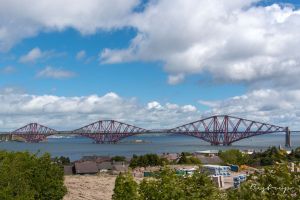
[{"x": 151, "y": 63}]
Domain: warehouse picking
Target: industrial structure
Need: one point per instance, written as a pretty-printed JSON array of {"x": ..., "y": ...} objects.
[{"x": 217, "y": 130}]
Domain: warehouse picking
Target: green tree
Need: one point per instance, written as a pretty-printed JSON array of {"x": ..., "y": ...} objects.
[
  {"x": 165, "y": 186},
  {"x": 62, "y": 160},
  {"x": 294, "y": 155},
  {"x": 168, "y": 185},
  {"x": 29, "y": 177},
  {"x": 271, "y": 156},
  {"x": 187, "y": 158},
  {"x": 118, "y": 158},
  {"x": 234, "y": 156},
  {"x": 125, "y": 188},
  {"x": 134, "y": 162},
  {"x": 200, "y": 186},
  {"x": 147, "y": 160},
  {"x": 276, "y": 183},
  {"x": 183, "y": 158}
]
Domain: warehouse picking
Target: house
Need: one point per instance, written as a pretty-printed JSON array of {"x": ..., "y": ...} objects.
[
  {"x": 170, "y": 156},
  {"x": 247, "y": 151},
  {"x": 86, "y": 167},
  {"x": 209, "y": 159},
  {"x": 118, "y": 167},
  {"x": 97, "y": 159},
  {"x": 68, "y": 169},
  {"x": 218, "y": 180},
  {"x": 216, "y": 170},
  {"x": 208, "y": 152},
  {"x": 106, "y": 165}
]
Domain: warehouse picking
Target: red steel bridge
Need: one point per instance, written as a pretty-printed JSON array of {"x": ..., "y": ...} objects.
[{"x": 217, "y": 130}]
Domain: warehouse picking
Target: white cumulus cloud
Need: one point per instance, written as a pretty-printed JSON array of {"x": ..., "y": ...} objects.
[
  {"x": 36, "y": 54},
  {"x": 32, "y": 55},
  {"x": 232, "y": 40},
  {"x": 8, "y": 70},
  {"x": 266, "y": 105},
  {"x": 72, "y": 112},
  {"x": 23, "y": 19},
  {"x": 80, "y": 55},
  {"x": 50, "y": 72}
]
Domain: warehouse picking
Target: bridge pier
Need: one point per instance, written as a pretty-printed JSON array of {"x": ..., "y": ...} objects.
[
  {"x": 33, "y": 138},
  {"x": 5, "y": 137},
  {"x": 287, "y": 137}
]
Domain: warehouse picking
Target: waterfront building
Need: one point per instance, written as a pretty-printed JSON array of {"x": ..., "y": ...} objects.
[
  {"x": 208, "y": 152},
  {"x": 86, "y": 167}
]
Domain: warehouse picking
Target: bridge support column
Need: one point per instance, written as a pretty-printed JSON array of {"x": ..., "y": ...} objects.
[
  {"x": 33, "y": 138},
  {"x": 5, "y": 137},
  {"x": 287, "y": 137}
]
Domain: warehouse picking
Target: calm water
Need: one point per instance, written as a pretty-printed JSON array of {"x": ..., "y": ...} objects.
[{"x": 76, "y": 147}]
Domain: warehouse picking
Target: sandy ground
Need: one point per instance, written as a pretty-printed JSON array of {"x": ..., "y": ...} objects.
[
  {"x": 100, "y": 187},
  {"x": 91, "y": 187}
]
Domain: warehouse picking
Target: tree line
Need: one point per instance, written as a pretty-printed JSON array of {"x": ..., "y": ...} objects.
[
  {"x": 268, "y": 157},
  {"x": 25, "y": 176},
  {"x": 276, "y": 183},
  {"x": 155, "y": 160}
]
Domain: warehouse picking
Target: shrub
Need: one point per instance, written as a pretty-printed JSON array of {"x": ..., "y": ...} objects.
[
  {"x": 166, "y": 185},
  {"x": 234, "y": 156},
  {"x": 62, "y": 160},
  {"x": 147, "y": 160},
  {"x": 29, "y": 177},
  {"x": 187, "y": 158},
  {"x": 271, "y": 156},
  {"x": 125, "y": 188},
  {"x": 118, "y": 159},
  {"x": 276, "y": 183}
]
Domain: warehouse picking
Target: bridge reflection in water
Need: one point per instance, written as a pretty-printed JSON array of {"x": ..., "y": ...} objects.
[{"x": 217, "y": 130}]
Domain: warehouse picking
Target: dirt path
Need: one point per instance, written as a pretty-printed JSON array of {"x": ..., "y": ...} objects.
[{"x": 91, "y": 187}]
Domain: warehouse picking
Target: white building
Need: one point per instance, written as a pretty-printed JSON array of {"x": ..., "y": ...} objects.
[{"x": 216, "y": 170}]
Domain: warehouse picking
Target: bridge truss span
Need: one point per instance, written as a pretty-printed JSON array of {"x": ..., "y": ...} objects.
[
  {"x": 34, "y": 132},
  {"x": 108, "y": 131},
  {"x": 224, "y": 129},
  {"x": 217, "y": 130}
]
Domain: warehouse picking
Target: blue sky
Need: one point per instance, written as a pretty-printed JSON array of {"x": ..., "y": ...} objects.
[
  {"x": 145, "y": 80},
  {"x": 147, "y": 57}
]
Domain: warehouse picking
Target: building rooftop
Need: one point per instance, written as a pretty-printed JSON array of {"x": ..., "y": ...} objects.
[
  {"x": 209, "y": 160},
  {"x": 208, "y": 152},
  {"x": 86, "y": 167}
]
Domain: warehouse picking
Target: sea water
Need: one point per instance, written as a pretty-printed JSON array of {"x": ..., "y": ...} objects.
[{"x": 75, "y": 147}]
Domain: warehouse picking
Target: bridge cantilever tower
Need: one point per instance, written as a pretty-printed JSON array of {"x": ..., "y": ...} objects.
[
  {"x": 217, "y": 130},
  {"x": 224, "y": 129},
  {"x": 34, "y": 132},
  {"x": 108, "y": 131}
]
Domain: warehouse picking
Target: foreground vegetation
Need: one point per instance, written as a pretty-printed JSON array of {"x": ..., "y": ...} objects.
[
  {"x": 166, "y": 185},
  {"x": 188, "y": 158},
  {"x": 269, "y": 157},
  {"x": 155, "y": 160},
  {"x": 147, "y": 160},
  {"x": 275, "y": 183},
  {"x": 25, "y": 176}
]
